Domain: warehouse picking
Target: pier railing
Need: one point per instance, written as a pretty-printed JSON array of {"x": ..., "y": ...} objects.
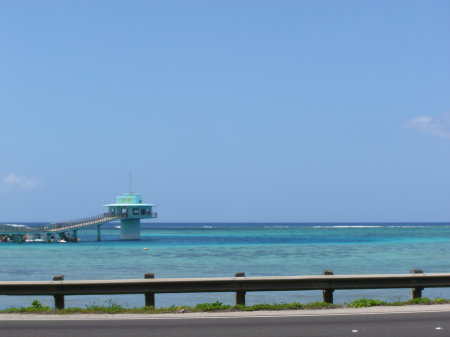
[
  {"x": 84, "y": 222},
  {"x": 58, "y": 227},
  {"x": 240, "y": 284}
]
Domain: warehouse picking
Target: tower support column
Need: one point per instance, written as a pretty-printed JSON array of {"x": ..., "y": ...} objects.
[{"x": 130, "y": 229}]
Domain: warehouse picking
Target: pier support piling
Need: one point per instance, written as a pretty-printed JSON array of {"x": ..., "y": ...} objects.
[
  {"x": 240, "y": 295},
  {"x": 99, "y": 237}
]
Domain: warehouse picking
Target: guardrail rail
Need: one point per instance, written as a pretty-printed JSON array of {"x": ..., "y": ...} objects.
[{"x": 239, "y": 284}]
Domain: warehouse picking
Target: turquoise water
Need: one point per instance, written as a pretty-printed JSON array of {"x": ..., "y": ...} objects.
[{"x": 210, "y": 250}]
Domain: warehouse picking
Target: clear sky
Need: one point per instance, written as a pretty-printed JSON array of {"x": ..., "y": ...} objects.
[{"x": 271, "y": 111}]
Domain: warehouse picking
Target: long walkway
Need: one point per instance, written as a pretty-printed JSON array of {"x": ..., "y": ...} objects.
[{"x": 57, "y": 228}]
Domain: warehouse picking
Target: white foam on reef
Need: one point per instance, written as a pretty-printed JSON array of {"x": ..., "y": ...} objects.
[
  {"x": 407, "y": 226},
  {"x": 358, "y": 226},
  {"x": 350, "y": 226},
  {"x": 370, "y": 226},
  {"x": 208, "y": 227}
]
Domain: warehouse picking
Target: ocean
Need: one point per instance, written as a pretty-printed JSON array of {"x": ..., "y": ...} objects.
[{"x": 222, "y": 249}]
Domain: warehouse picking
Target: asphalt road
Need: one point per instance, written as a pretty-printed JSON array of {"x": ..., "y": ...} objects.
[{"x": 415, "y": 324}]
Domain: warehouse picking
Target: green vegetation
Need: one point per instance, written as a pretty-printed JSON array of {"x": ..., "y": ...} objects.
[
  {"x": 113, "y": 308},
  {"x": 35, "y": 307},
  {"x": 215, "y": 306},
  {"x": 366, "y": 302}
]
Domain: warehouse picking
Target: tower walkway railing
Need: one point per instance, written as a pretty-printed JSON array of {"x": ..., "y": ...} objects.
[
  {"x": 59, "y": 227},
  {"x": 81, "y": 223}
]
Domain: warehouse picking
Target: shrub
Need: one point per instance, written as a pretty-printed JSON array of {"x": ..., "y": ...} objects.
[
  {"x": 320, "y": 305},
  {"x": 109, "y": 308},
  {"x": 366, "y": 302},
  {"x": 422, "y": 300},
  {"x": 211, "y": 306}
]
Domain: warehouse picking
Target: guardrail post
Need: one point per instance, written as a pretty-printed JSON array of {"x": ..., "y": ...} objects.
[
  {"x": 149, "y": 296},
  {"x": 416, "y": 292},
  {"x": 328, "y": 293},
  {"x": 240, "y": 295},
  {"x": 59, "y": 299}
]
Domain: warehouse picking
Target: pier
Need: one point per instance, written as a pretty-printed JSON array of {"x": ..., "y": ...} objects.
[{"x": 128, "y": 208}]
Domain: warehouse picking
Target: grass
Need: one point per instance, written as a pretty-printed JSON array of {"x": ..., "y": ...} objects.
[
  {"x": 365, "y": 302},
  {"x": 35, "y": 307},
  {"x": 114, "y": 308}
]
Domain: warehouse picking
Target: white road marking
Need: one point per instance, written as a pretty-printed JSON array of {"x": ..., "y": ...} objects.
[{"x": 235, "y": 315}]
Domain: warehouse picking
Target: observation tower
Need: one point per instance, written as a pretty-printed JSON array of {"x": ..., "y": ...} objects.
[{"x": 130, "y": 209}]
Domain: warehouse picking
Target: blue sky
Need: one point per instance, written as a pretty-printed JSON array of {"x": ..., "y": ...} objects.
[{"x": 303, "y": 111}]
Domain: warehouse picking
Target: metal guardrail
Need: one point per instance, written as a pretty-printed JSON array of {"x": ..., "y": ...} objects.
[{"x": 239, "y": 284}]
